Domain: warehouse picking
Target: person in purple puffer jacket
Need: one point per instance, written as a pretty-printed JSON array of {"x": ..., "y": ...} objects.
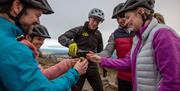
[{"x": 154, "y": 58}]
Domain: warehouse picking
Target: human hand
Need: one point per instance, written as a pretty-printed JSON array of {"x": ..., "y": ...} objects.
[
  {"x": 93, "y": 57},
  {"x": 81, "y": 66},
  {"x": 74, "y": 61}
]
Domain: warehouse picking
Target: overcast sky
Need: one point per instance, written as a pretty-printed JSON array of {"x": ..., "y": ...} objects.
[{"x": 72, "y": 13}]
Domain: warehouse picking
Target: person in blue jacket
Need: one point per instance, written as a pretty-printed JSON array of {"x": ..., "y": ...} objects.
[{"x": 18, "y": 67}]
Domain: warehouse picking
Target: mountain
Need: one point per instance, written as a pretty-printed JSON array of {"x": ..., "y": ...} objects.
[{"x": 52, "y": 47}]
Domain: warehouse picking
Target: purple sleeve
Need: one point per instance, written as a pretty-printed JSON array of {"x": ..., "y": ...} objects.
[
  {"x": 117, "y": 64},
  {"x": 167, "y": 57}
]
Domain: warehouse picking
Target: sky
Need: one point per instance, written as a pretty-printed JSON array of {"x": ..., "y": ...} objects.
[{"x": 72, "y": 13}]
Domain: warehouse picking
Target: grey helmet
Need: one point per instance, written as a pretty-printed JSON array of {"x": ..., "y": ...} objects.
[
  {"x": 116, "y": 10},
  {"x": 133, "y": 4},
  {"x": 95, "y": 12},
  {"x": 40, "y": 30},
  {"x": 41, "y": 4}
]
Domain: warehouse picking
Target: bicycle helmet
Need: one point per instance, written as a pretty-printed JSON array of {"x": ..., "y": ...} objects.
[
  {"x": 116, "y": 10},
  {"x": 40, "y": 30},
  {"x": 95, "y": 12},
  {"x": 41, "y": 4},
  {"x": 133, "y": 4}
]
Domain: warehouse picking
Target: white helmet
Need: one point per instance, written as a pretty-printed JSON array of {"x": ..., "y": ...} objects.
[{"x": 95, "y": 12}]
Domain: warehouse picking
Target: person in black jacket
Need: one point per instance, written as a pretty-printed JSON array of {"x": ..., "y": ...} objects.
[{"x": 86, "y": 38}]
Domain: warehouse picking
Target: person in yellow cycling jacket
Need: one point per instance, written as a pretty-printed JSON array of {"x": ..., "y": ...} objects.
[{"x": 83, "y": 39}]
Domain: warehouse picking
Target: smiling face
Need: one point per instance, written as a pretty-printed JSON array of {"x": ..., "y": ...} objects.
[
  {"x": 93, "y": 23},
  {"x": 133, "y": 20},
  {"x": 30, "y": 18},
  {"x": 25, "y": 16},
  {"x": 121, "y": 21},
  {"x": 37, "y": 41}
]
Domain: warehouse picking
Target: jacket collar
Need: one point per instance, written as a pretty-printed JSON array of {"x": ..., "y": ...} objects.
[
  {"x": 149, "y": 28},
  {"x": 10, "y": 28},
  {"x": 123, "y": 30},
  {"x": 146, "y": 29}
]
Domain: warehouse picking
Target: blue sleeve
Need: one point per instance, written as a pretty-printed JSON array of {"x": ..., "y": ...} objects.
[{"x": 20, "y": 72}]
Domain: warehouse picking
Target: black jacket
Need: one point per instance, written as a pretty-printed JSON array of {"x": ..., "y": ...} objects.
[{"x": 86, "y": 39}]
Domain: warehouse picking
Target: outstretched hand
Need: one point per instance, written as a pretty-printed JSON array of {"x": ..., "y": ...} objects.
[
  {"x": 93, "y": 57},
  {"x": 81, "y": 66}
]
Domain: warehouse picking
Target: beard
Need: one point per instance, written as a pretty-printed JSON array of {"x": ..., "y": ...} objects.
[{"x": 28, "y": 28}]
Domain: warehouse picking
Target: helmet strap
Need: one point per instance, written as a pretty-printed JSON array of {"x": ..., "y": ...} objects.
[
  {"x": 17, "y": 19},
  {"x": 146, "y": 17},
  {"x": 31, "y": 38},
  {"x": 144, "y": 14}
]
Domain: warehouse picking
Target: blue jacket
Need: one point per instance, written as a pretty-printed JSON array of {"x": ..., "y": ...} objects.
[{"x": 19, "y": 70}]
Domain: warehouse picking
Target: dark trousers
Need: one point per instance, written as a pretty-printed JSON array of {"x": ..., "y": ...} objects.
[
  {"x": 93, "y": 77},
  {"x": 124, "y": 85}
]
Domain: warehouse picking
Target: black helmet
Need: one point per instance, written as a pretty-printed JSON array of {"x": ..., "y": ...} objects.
[
  {"x": 133, "y": 4},
  {"x": 41, "y": 4},
  {"x": 40, "y": 30},
  {"x": 116, "y": 10}
]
